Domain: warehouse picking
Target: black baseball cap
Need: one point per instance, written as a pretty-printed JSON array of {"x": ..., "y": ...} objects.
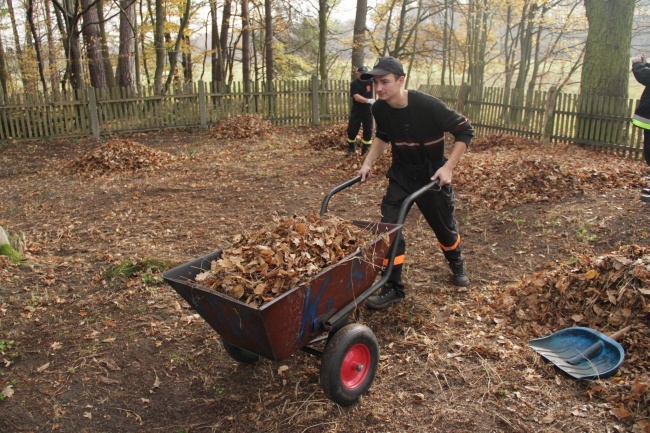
[
  {"x": 363, "y": 69},
  {"x": 385, "y": 66}
]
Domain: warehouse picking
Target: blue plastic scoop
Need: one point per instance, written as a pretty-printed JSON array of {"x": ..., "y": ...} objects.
[{"x": 581, "y": 352}]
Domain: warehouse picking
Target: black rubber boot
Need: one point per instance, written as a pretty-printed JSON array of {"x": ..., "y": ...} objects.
[
  {"x": 364, "y": 148},
  {"x": 459, "y": 277},
  {"x": 391, "y": 293},
  {"x": 352, "y": 148}
]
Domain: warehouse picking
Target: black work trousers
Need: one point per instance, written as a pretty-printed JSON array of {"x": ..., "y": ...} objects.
[
  {"x": 361, "y": 116},
  {"x": 437, "y": 207}
]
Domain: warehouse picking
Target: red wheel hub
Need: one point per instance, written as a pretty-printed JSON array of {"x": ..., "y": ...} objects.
[{"x": 354, "y": 368}]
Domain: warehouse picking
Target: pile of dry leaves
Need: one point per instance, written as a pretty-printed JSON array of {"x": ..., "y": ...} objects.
[
  {"x": 120, "y": 156},
  {"x": 333, "y": 137},
  {"x": 260, "y": 266},
  {"x": 240, "y": 127},
  {"x": 606, "y": 293},
  {"x": 521, "y": 170},
  {"x": 609, "y": 291}
]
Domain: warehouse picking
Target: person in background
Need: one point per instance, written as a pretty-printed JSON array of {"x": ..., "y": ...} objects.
[
  {"x": 360, "y": 115},
  {"x": 415, "y": 125},
  {"x": 641, "y": 118}
]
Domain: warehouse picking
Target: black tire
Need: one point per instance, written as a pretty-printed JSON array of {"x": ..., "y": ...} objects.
[
  {"x": 238, "y": 354},
  {"x": 337, "y": 327},
  {"x": 349, "y": 364}
]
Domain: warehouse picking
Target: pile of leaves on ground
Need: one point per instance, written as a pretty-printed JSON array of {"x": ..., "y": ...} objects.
[
  {"x": 351, "y": 164},
  {"x": 481, "y": 144},
  {"x": 520, "y": 170},
  {"x": 332, "y": 137},
  {"x": 117, "y": 156},
  {"x": 260, "y": 266},
  {"x": 241, "y": 127},
  {"x": 606, "y": 293}
]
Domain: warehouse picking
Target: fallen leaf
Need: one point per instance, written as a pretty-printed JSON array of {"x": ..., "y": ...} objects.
[
  {"x": 8, "y": 391},
  {"x": 621, "y": 413},
  {"x": 548, "y": 419},
  {"x": 108, "y": 380},
  {"x": 56, "y": 346}
]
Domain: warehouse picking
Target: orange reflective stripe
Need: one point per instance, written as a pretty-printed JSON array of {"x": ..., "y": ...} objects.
[
  {"x": 398, "y": 260},
  {"x": 451, "y": 248}
]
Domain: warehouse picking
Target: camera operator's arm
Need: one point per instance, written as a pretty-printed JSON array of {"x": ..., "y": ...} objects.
[{"x": 641, "y": 70}]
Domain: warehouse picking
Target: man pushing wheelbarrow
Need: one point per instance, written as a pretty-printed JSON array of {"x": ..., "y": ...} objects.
[{"x": 415, "y": 124}]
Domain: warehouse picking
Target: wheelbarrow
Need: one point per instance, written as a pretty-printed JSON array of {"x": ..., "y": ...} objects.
[{"x": 307, "y": 315}]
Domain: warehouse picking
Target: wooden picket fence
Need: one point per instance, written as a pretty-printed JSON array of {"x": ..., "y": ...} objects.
[
  {"x": 108, "y": 111},
  {"x": 600, "y": 123},
  {"x": 594, "y": 122}
]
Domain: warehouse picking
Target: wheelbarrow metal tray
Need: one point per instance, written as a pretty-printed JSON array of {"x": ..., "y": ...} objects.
[
  {"x": 286, "y": 324},
  {"x": 581, "y": 352}
]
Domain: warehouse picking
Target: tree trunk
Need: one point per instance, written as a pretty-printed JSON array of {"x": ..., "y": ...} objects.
[
  {"x": 477, "y": 33},
  {"x": 606, "y": 68},
  {"x": 93, "y": 42},
  {"x": 526, "y": 30},
  {"x": 385, "y": 49},
  {"x": 186, "y": 59},
  {"x": 76, "y": 69},
  {"x": 396, "y": 51},
  {"x": 126, "y": 63},
  {"x": 246, "y": 46},
  {"x": 19, "y": 51},
  {"x": 359, "y": 38},
  {"x": 509, "y": 62},
  {"x": 216, "y": 57},
  {"x": 268, "y": 42},
  {"x": 323, "y": 10},
  {"x": 223, "y": 38},
  {"x": 53, "y": 73},
  {"x": 159, "y": 44},
  {"x": 415, "y": 43},
  {"x": 173, "y": 54},
  {"x": 141, "y": 39},
  {"x": 37, "y": 44},
  {"x": 446, "y": 42},
  {"x": 3, "y": 69},
  {"x": 108, "y": 67}
]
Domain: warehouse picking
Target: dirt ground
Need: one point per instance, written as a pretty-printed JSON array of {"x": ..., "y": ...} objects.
[{"x": 86, "y": 350}]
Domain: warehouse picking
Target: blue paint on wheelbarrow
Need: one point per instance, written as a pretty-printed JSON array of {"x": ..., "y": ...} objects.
[{"x": 582, "y": 353}]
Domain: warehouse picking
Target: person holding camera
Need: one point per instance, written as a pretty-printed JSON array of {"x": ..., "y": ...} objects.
[{"x": 641, "y": 118}]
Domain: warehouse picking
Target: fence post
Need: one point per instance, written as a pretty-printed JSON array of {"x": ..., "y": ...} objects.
[
  {"x": 549, "y": 115},
  {"x": 202, "y": 107},
  {"x": 463, "y": 95},
  {"x": 92, "y": 107},
  {"x": 315, "y": 114}
]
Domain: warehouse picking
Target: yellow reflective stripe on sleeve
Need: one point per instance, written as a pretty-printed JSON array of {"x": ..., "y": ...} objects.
[{"x": 641, "y": 122}]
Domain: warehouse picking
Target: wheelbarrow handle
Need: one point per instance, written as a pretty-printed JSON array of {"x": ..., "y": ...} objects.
[
  {"x": 406, "y": 205},
  {"x": 339, "y": 188}
]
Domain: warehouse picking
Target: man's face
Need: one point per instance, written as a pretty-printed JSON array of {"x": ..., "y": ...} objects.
[{"x": 387, "y": 86}]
